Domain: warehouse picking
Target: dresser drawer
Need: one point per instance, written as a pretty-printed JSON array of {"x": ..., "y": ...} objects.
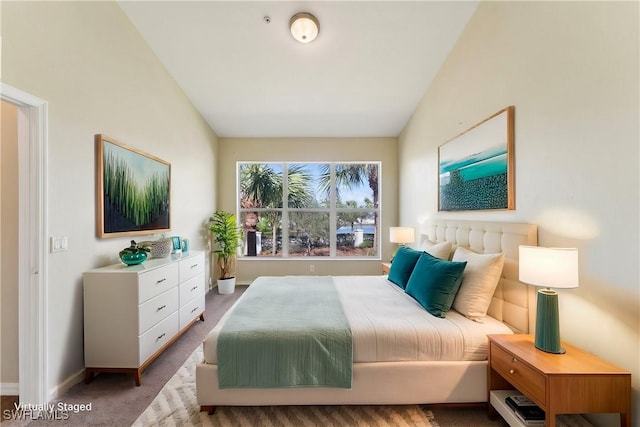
[
  {"x": 191, "y": 310},
  {"x": 191, "y": 288},
  {"x": 191, "y": 267},
  {"x": 156, "y": 281},
  {"x": 519, "y": 374},
  {"x": 156, "y": 309},
  {"x": 152, "y": 340}
]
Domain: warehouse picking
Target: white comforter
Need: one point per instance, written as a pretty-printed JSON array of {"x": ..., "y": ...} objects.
[{"x": 388, "y": 325}]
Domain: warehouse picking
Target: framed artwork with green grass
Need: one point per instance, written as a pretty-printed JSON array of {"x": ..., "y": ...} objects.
[{"x": 133, "y": 190}]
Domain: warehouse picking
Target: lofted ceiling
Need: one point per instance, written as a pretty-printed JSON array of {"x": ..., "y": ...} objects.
[{"x": 362, "y": 77}]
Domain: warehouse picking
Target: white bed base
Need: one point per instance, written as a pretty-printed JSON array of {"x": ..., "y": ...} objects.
[
  {"x": 378, "y": 383},
  {"x": 410, "y": 382}
]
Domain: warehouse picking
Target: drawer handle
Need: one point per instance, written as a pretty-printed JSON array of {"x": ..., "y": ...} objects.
[
  {"x": 514, "y": 360},
  {"x": 160, "y": 337},
  {"x": 160, "y": 308},
  {"x": 194, "y": 309},
  {"x": 194, "y": 288},
  {"x": 512, "y": 371},
  {"x": 160, "y": 281},
  {"x": 194, "y": 265}
]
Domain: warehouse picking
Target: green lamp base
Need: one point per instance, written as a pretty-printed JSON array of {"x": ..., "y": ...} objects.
[{"x": 547, "y": 336}]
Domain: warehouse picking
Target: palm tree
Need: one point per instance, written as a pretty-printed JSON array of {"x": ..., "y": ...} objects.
[
  {"x": 261, "y": 187},
  {"x": 351, "y": 176}
]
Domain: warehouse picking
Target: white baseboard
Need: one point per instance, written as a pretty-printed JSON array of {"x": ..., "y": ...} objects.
[
  {"x": 62, "y": 388},
  {"x": 9, "y": 389}
]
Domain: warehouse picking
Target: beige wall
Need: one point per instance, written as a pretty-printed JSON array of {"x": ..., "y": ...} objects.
[
  {"x": 571, "y": 70},
  {"x": 8, "y": 247},
  {"x": 99, "y": 76},
  {"x": 234, "y": 150}
]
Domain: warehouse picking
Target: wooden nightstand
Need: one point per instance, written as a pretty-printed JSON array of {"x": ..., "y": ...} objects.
[
  {"x": 571, "y": 383},
  {"x": 386, "y": 266}
]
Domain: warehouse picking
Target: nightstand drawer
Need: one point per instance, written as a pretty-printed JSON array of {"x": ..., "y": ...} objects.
[{"x": 519, "y": 374}]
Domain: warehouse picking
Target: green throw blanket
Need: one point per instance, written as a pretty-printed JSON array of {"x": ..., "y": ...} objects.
[{"x": 286, "y": 332}]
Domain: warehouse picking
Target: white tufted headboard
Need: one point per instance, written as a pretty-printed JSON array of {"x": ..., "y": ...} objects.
[{"x": 513, "y": 301}]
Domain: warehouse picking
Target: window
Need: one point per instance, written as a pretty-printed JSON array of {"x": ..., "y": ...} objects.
[{"x": 290, "y": 210}]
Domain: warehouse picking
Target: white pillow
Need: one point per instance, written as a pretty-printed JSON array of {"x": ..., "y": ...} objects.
[
  {"x": 479, "y": 282},
  {"x": 438, "y": 250}
]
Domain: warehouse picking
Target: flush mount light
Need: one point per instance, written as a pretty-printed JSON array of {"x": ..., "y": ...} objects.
[{"x": 304, "y": 27}]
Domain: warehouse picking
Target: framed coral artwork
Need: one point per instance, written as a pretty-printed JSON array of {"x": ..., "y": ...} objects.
[
  {"x": 476, "y": 168},
  {"x": 133, "y": 190}
]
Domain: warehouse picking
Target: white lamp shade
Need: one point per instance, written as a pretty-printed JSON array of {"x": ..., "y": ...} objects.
[
  {"x": 304, "y": 27},
  {"x": 549, "y": 267},
  {"x": 401, "y": 235}
]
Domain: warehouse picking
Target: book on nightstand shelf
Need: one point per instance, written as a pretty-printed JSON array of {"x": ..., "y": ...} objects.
[
  {"x": 528, "y": 412},
  {"x": 530, "y": 422}
]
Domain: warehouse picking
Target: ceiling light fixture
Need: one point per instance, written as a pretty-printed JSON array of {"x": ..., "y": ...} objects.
[{"x": 304, "y": 27}]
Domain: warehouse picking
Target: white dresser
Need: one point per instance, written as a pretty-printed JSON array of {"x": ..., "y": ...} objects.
[{"x": 133, "y": 313}]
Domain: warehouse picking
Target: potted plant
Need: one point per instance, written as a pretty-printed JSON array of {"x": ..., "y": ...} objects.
[{"x": 226, "y": 240}]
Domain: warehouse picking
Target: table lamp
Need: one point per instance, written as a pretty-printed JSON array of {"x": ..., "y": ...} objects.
[
  {"x": 401, "y": 235},
  {"x": 551, "y": 268}
]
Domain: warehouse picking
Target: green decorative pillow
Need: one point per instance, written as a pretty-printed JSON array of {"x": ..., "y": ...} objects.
[
  {"x": 435, "y": 282},
  {"x": 402, "y": 265}
]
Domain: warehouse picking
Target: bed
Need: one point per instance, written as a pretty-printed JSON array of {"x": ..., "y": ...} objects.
[{"x": 432, "y": 369}]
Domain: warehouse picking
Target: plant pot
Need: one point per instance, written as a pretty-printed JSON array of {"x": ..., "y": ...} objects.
[{"x": 226, "y": 286}]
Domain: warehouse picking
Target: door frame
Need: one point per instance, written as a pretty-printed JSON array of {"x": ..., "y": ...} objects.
[{"x": 33, "y": 371}]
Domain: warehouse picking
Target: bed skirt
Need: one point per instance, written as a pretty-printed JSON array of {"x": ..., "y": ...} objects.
[{"x": 378, "y": 383}]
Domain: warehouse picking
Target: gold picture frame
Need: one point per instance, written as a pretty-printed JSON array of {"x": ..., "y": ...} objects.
[
  {"x": 476, "y": 169},
  {"x": 133, "y": 190}
]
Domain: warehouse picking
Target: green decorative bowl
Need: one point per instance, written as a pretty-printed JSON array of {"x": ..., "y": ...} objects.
[{"x": 133, "y": 258}]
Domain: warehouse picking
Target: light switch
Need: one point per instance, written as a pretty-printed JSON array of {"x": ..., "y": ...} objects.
[{"x": 59, "y": 244}]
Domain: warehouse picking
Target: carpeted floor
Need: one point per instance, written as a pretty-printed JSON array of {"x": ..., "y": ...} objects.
[{"x": 117, "y": 402}]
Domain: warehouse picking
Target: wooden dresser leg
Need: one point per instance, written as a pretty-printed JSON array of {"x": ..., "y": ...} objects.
[
  {"x": 209, "y": 408},
  {"x": 136, "y": 376},
  {"x": 88, "y": 376},
  {"x": 202, "y": 317}
]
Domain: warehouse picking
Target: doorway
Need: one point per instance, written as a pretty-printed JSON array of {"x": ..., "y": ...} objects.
[
  {"x": 31, "y": 243},
  {"x": 9, "y": 256}
]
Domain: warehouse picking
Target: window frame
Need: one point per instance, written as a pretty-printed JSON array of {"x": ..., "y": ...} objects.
[{"x": 332, "y": 210}]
